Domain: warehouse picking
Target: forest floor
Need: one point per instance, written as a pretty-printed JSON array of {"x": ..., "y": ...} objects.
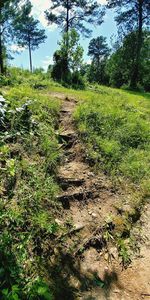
[{"x": 90, "y": 267}]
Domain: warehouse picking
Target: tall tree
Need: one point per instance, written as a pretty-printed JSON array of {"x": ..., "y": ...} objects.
[
  {"x": 63, "y": 71},
  {"x": 132, "y": 16},
  {"x": 27, "y": 30},
  {"x": 8, "y": 12},
  {"x": 74, "y": 14},
  {"x": 98, "y": 48},
  {"x": 121, "y": 62},
  {"x": 99, "y": 51}
]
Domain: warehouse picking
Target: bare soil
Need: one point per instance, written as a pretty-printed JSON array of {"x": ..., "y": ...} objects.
[{"x": 88, "y": 199}]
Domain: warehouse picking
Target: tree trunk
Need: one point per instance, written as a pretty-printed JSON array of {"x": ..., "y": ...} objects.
[
  {"x": 30, "y": 57},
  {"x": 1, "y": 56},
  {"x": 136, "y": 71},
  {"x": 67, "y": 17},
  {"x": 98, "y": 79},
  {"x": 1, "y": 45},
  {"x": 67, "y": 41}
]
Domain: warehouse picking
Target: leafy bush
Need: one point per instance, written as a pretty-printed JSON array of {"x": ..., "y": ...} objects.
[
  {"x": 4, "y": 80},
  {"x": 77, "y": 81}
]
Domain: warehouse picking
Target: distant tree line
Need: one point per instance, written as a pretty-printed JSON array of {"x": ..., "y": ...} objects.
[
  {"x": 126, "y": 64},
  {"x": 72, "y": 20}
]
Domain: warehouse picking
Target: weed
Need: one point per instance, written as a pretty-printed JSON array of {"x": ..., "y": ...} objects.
[
  {"x": 28, "y": 161},
  {"x": 123, "y": 252},
  {"x": 115, "y": 127}
]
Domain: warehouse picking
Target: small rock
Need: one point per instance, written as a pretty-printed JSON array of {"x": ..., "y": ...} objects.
[
  {"x": 94, "y": 215},
  {"x": 113, "y": 251},
  {"x": 116, "y": 291},
  {"x": 90, "y": 212},
  {"x": 53, "y": 259},
  {"x": 91, "y": 174},
  {"x": 58, "y": 222},
  {"x": 106, "y": 256},
  {"x": 56, "y": 252},
  {"x": 78, "y": 227}
]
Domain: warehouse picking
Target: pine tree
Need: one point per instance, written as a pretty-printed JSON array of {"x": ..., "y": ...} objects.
[
  {"x": 132, "y": 16},
  {"x": 27, "y": 30},
  {"x": 99, "y": 51},
  {"x": 98, "y": 48},
  {"x": 8, "y": 12},
  {"x": 74, "y": 14}
]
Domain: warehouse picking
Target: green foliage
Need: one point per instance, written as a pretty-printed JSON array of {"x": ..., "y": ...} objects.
[
  {"x": 40, "y": 290},
  {"x": 11, "y": 295},
  {"x": 135, "y": 164},
  {"x": 99, "y": 51},
  {"x": 129, "y": 12},
  {"x": 68, "y": 61},
  {"x": 74, "y": 14},
  {"x": 115, "y": 126},
  {"x": 9, "y": 10},
  {"x": 132, "y": 17},
  {"x": 77, "y": 81},
  {"x": 28, "y": 161},
  {"x": 3, "y": 80},
  {"x": 120, "y": 66},
  {"x": 23, "y": 78},
  {"x": 123, "y": 252},
  {"x": 60, "y": 71},
  {"x": 27, "y": 30}
]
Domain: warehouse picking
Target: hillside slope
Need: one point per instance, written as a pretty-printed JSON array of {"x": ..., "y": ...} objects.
[{"x": 74, "y": 193}]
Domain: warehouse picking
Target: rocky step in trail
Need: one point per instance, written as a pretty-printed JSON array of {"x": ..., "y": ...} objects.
[
  {"x": 91, "y": 270},
  {"x": 83, "y": 193}
]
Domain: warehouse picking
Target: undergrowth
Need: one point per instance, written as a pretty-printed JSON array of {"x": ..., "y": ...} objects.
[
  {"x": 116, "y": 129},
  {"x": 29, "y": 155},
  {"x": 113, "y": 124}
]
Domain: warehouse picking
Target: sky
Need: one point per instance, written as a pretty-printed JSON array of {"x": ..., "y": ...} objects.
[{"x": 43, "y": 56}]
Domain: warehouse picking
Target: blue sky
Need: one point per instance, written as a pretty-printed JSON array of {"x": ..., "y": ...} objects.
[{"x": 43, "y": 56}]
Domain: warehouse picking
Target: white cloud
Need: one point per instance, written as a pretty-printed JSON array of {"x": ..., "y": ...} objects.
[
  {"x": 102, "y": 1},
  {"x": 88, "y": 61},
  {"x": 47, "y": 61},
  {"x": 39, "y": 7},
  {"x": 16, "y": 48}
]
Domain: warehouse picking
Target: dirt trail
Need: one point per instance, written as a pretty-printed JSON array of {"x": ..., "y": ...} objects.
[{"x": 89, "y": 199}]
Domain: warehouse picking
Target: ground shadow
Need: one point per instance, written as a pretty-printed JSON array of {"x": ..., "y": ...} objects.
[
  {"x": 69, "y": 282},
  {"x": 110, "y": 279},
  {"x": 136, "y": 93}
]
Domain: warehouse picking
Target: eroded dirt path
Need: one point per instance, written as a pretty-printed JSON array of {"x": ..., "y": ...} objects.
[{"x": 88, "y": 200}]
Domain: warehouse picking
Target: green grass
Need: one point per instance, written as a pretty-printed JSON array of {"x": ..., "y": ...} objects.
[
  {"x": 115, "y": 126},
  {"x": 29, "y": 155}
]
